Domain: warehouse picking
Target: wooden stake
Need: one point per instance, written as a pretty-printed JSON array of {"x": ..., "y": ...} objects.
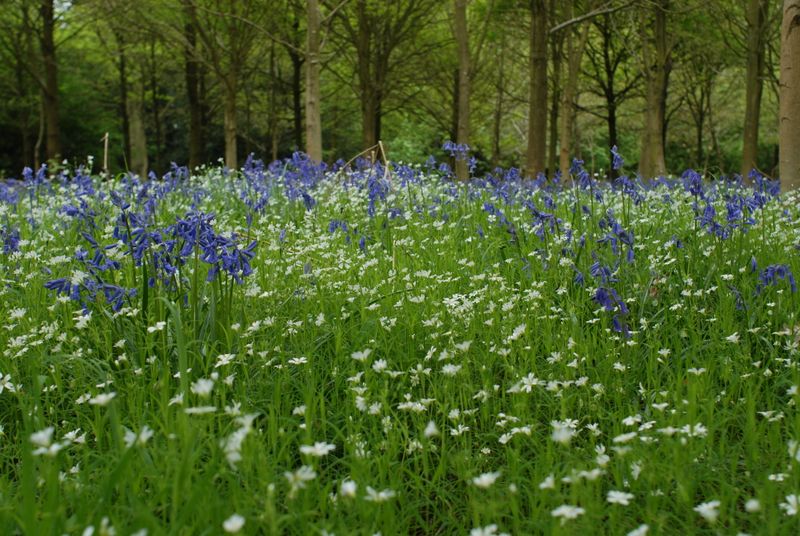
[{"x": 104, "y": 139}]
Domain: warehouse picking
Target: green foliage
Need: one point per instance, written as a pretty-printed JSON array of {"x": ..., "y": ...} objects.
[{"x": 452, "y": 363}]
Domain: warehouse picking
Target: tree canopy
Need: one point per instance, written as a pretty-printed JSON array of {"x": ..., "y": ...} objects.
[{"x": 532, "y": 84}]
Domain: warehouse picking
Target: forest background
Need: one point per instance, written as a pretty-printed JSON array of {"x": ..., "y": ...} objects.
[{"x": 672, "y": 83}]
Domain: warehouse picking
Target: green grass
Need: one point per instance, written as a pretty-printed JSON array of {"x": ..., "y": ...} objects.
[{"x": 487, "y": 337}]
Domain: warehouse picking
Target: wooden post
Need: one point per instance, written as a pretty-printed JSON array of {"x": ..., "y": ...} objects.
[{"x": 104, "y": 139}]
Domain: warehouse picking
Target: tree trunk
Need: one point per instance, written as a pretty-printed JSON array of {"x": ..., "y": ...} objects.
[
  {"x": 498, "y": 107},
  {"x": 610, "y": 91},
  {"x": 23, "y": 115},
  {"x": 50, "y": 94},
  {"x": 613, "y": 135},
  {"x": 454, "y": 107},
  {"x": 462, "y": 43},
  {"x": 656, "y": 59},
  {"x": 37, "y": 148},
  {"x": 313, "y": 91},
  {"x": 756, "y": 15},
  {"x": 273, "y": 104},
  {"x": 556, "y": 43},
  {"x": 230, "y": 121},
  {"x": 192, "y": 77},
  {"x": 699, "y": 122},
  {"x": 537, "y": 103},
  {"x": 138, "y": 139},
  {"x": 156, "y": 104},
  {"x": 574, "y": 55},
  {"x": 369, "y": 100},
  {"x": 122, "y": 68},
  {"x": 297, "y": 98},
  {"x": 789, "y": 135}
]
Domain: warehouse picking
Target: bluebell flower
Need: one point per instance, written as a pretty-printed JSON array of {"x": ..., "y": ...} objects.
[
  {"x": 616, "y": 159},
  {"x": 774, "y": 273},
  {"x": 459, "y": 151}
]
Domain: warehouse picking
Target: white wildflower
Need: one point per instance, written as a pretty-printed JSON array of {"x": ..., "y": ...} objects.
[
  {"x": 791, "y": 506},
  {"x": 485, "y": 480},
  {"x": 619, "y": 497},
  {"x": 379, "y": 496},
  {"x": 362, "y": 355},
  {"x": 139, "y": 439},
  {"x": 318, "y": 449},
  {"x": 233, "y": 524},
  {"x": 103, "y": 399},
  {"x": 348, "y": 488},
  {"x": 567, "y": 512},
  {"x": 708, "y": 510}
]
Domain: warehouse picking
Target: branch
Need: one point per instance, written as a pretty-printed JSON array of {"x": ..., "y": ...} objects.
[{"x": 601, "y": 11}]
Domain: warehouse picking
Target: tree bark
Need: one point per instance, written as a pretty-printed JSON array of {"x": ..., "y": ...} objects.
[
  {"x": 137, "y": 162},
  {"x": 369, "y": 104},
  {"x": 556, "y": 56},
  {"x": 297, "y": 98},
  {"x": 537, "y": 103},
  {"x": 122, "y": 68},
  {"x": 192, "y": 78},
  {"x": 273, "y": 103},
  {"x": 313, "y": 91},
  {"x": 574, "y": 55},
  {"x": 756, "y": 16},
  {"x": 156, "y": 104},
  {"x": 229, "y": 120},
  {"x": 23, "y": 116},
  {"x": 498, "y": 107},
  {"x": 37, "y": 148},
  {"x": 50, "y": 93},
  {"x": 657, "y": 66},
  {"x": 789, "y": 134},
  {"x": 462, "y": 44},
  {"x": 610, "y": 69}
]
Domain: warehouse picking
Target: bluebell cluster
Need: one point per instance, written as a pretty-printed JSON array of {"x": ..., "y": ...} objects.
[
  {"x": 596, "y": 244},
  {"x": 773, "y": 274}
]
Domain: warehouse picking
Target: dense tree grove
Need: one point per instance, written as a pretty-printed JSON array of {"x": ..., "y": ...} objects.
[{"x": 527, "y": 83}]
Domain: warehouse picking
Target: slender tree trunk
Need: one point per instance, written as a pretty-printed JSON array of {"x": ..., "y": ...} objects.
[
  {"x": 756, "y": 15},
  {"x": 297, "y": 98},
  {"x": 574, "y": 55},
  {"x": 462, "y": 44},
  {"x": 192, "y": 78},
  {"x": 378, "y": 115},
  {"x": 122, "y": 68},
  {"x": 23, "y": 117},
  {"x": 273, "y": 103},
  {"x": 454, "y": 107},
  {"x": 138, "y": 139},
  {"x": 699, "y": 122},
  {"x": 656, "y": 58},
  {"x": 610, "y": 92},
  {"x": 313, "y": 91},
  {"x": 556, "y": 43},
  {"x": 714, "y": 141},
  {"x": 611, "y": 121},
  {"x": 498, "y": 107},
  {"x": 48, "y": 46},
  {"x": 230, "y": 87},
  {"x": 789, "y": 134},
  {"x": 156, "y": 104},
  {"x": 537, "y": 103},
  {"x": 37, "y": 148}
]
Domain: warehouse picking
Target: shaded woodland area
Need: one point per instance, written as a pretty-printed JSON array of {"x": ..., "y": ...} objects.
[{"x": 526, "y": 83}]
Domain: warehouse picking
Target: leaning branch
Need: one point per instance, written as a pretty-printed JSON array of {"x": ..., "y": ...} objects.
[{"x": 597, "y": 12}]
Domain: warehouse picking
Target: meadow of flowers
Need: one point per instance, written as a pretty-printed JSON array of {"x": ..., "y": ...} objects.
[{"x": 294, "y": 349}]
